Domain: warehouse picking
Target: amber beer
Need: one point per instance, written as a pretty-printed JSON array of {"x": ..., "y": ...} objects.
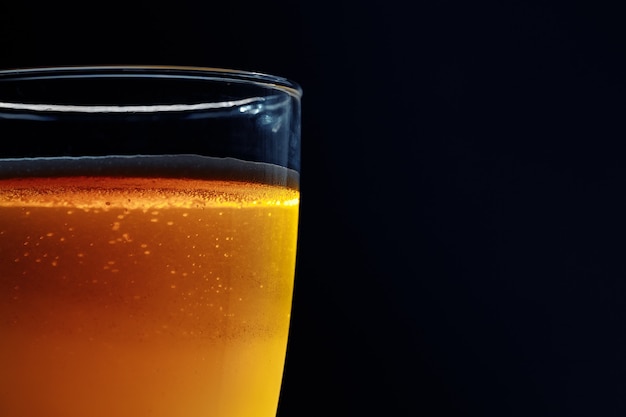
[{"x": 144, "y": 296}]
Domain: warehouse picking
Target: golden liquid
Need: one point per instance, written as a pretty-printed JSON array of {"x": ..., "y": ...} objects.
[{"x": 136, "y": 297}]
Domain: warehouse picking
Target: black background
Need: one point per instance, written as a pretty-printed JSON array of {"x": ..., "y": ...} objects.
[{"x": 462, "y": 250}]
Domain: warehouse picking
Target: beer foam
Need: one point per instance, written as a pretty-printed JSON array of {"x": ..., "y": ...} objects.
[
  {"x": 107, "y": 193},
  {"x": 150, "y": 166}
]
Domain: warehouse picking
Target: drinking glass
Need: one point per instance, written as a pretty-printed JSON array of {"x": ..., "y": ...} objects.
[{"x": 148, "y": 228}]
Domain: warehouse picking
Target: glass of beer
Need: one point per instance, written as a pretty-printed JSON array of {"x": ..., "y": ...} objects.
[{"x": 148, "y": 228}]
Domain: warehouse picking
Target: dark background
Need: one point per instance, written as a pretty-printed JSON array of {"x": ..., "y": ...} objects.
[{"x": 462, "y": 250}]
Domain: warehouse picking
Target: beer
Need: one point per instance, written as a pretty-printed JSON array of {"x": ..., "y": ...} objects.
[{"x": 128, "y": 295}]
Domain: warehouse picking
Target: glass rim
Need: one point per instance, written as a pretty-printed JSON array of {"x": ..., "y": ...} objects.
[{"x": 265, "y": 80}]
